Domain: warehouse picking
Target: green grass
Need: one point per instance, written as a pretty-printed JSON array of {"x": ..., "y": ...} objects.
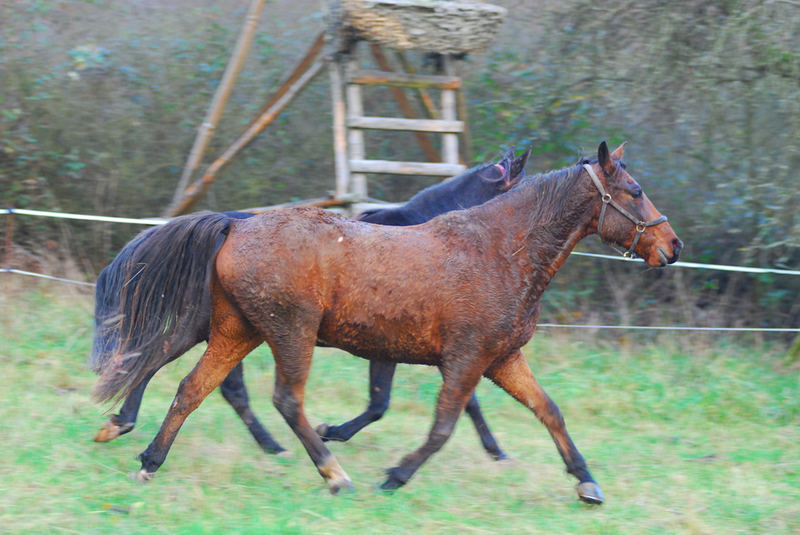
[{"x": 682, "y": 437}]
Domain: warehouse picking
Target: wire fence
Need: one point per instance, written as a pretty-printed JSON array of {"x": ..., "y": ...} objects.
[
  {"x": 43, "y": 276},
  {"x": 693, "y": 265}
]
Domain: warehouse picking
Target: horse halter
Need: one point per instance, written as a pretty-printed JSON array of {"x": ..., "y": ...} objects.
[{"x": 641, "y": 226}]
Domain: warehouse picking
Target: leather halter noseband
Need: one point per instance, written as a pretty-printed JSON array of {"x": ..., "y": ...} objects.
[{"x": 641, "y": 226}]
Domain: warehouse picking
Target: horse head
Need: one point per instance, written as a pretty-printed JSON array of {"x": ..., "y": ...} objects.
[{"x": 632, "y": 220}]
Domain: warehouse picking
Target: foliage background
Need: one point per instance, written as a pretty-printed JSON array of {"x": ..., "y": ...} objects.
[
  {"x": 99, "y": 104},
  {"x": 100, "y": 101}
]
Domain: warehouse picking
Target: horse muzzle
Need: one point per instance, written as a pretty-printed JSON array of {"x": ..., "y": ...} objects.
[{"x": 666, "y": 257}]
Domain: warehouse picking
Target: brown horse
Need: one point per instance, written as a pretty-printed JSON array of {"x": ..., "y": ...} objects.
[
  {"x": 460, "y": 292},
  {"x": 129, "y": 318}
]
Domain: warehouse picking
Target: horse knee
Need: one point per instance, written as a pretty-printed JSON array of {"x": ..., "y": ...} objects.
[
  {"x": 287, "y": 404},
  {"x": 440, "y": 433}
]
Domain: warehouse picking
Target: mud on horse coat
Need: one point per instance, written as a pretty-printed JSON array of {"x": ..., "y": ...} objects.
[
  {"x": 460, "y": 292},
  {"x": 157, "y": 346}
]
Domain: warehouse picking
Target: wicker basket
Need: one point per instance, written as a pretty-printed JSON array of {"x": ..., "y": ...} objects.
[{"x": 430, "y": 25}]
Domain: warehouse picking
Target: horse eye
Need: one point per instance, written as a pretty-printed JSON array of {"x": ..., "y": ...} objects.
[{"x": 637, "y": 193}]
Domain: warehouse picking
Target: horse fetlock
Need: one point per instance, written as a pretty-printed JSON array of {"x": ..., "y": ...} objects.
[
  {"x": 376, "y": 411},
  {"x": 149, "y": 464},
  {"x": 589, "y": 492}
]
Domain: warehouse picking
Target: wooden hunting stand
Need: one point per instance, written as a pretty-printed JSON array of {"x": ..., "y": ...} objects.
[{"x": 446, "y": 30}]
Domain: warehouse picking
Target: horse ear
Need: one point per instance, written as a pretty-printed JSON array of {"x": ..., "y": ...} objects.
[
  {"x": 604, "y": 159},
  {"x": 617, "y": 154},
  {"x": 518, "y": 166},
  {"x": 500, "y": 170},
  {"x": 495, "y": 172}
]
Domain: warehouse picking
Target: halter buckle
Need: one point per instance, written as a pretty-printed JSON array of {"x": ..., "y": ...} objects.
[
  {"x": 629, "y": 254},
  {"x": 640, "y": 227},
  {"x": 606, "y": 197}
]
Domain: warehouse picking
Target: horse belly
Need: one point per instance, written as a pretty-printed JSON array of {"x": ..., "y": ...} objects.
[{"x": 377, "y": 338}]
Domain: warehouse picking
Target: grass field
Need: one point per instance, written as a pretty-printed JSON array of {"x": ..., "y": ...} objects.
[{"x": 682, "y": 436}]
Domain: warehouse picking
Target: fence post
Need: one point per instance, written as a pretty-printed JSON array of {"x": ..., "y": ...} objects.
[{"x": 9, "y": 238}]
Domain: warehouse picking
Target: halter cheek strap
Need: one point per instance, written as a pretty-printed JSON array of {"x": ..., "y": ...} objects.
[{"x": 641, "y": 226}]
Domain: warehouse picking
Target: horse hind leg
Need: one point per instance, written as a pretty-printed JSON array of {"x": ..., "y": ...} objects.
[
  {"x": 227, "y": 345},
  {"x": 515, "y": 377},
  {"x": 293, "y": 353},
  {"x": 119, "y": 424},
  {"x": 235, "y": 393}
]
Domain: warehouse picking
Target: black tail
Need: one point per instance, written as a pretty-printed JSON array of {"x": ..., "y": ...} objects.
[{"x": 148, "y": 296}]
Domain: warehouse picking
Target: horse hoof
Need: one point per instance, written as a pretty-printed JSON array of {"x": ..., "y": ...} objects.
[
  {"x": 334, "y": 475},
  {"x": 322, "y": 430},
  {"x": 390, "y": 485},
  {"x": 142, "y": 476},
  {"x": 108, "y": 432},
  {"x": 589, "y": 492},
  {"x": 341, "y": 484},
  {"x": 500, "y": 456},
  {"x": 506, "y": 462},
  {"x": 112, "y": 430},
  {"x": 392, "y": 482}
]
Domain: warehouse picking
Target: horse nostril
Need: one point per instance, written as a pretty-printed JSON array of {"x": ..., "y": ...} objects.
[{"x": 677, "y": 246}]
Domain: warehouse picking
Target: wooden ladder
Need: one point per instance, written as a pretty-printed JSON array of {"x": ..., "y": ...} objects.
[{"x": 350, "y": 122}]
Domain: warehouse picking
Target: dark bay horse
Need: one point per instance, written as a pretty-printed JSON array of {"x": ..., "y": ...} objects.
[
  {"x": 473, "y": 187},
  {"x": 460, "y": 292}
]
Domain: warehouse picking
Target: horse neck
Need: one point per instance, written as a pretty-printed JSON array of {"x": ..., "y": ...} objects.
[{"x": 540, "y": 222}]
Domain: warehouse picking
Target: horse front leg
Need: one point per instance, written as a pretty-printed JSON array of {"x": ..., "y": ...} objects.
[
  {"x": 513, "y": 375},
  {"x": 457, "y": 387},
  {"x": 235, "y": 393},
  {"x": 484, "y": 433},
  {"x": 292, "y": 364},
  {"x": 381, "y": 374}
]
